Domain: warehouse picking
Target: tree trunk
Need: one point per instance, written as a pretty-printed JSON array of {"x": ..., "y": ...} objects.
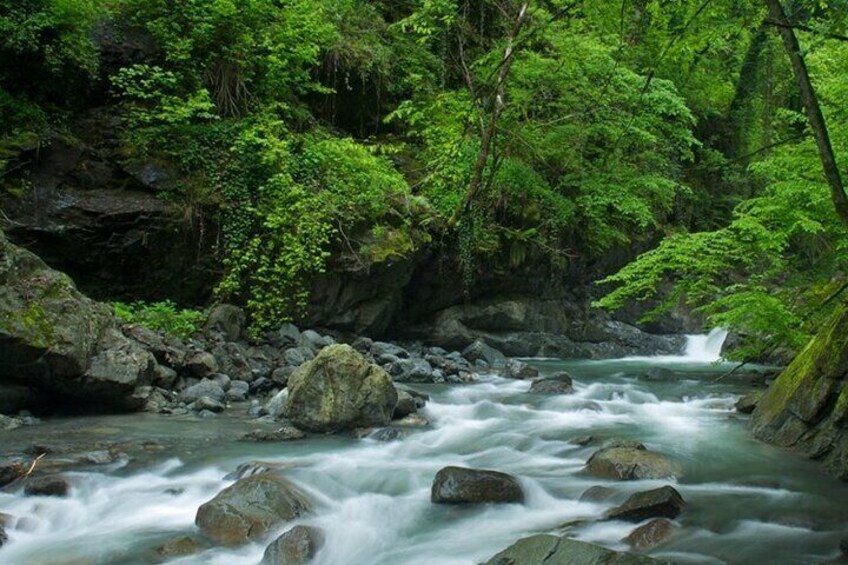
[
  {"x": 812, "y": 108},
  {"x": 488, "y": 134}
]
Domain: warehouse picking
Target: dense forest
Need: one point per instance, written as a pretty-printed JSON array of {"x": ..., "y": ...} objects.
[
  {"x": 510, "y": 131},
  {"x": 372, "y": 282}
]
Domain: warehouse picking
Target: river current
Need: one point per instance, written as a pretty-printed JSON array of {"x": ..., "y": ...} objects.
[{"x": 746, "y": 502}]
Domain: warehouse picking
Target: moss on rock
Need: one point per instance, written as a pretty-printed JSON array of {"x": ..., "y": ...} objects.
[{"x": 807, "y": 405}]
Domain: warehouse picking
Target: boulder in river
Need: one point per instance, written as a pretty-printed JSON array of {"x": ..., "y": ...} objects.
[
  {"x": 553, "y": 550},
  {"x": 340, "y": 390},
  {"x": 516, "y": 369},
  {"x": 650, "y": 535},
  {"x": 294, "y": 547},
  {"x": 630, "y": 463},
  {"x": 663, "y": 502},
  {"x": 247, "y": 510},
  {"x": 559, "y": 383},
  {"x": 47, "y": 486},
  {"x": 459, "y": 485}
]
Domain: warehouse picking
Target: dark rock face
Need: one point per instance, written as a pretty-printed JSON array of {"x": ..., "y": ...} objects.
[
  {"x": 629, "y": 463},
  {"x": 806, "y": 408},
  {"x": 340, "y": 390},
  {"x": 553, "y": 550},
  {"x": 663, "y": 502},
  {"x": 527, "y": 326},
  {"x": 651, "y": 534},
  {"x": 247, "y": 510},
  {"x": 560, "y": 383},
  {"x": 458, "y": 485},
  {"x": 294, "y": 547},
  {"x": 359, "y": 299},
  {"x": 87, "y": 216}
]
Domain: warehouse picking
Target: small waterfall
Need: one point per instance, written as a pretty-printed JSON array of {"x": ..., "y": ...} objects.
[{"x": 705, "y": 347}]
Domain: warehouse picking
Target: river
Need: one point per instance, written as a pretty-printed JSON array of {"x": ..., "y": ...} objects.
[{"x": 747, "y": 502}]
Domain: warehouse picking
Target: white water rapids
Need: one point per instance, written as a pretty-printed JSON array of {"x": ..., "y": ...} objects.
[{"x": 747, "y": 502}]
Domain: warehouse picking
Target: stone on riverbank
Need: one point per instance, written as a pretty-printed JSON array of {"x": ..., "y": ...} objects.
[
  {"x": 552, "y": 550},
  {"x": 340, "y": 390},
  {"x": 631, "y": 463},
  {"x": 459, "y": 485},
  {"x": 294, "y": 547},
  {"x": 663, "y": 502},
  {"x": 247, "y": 510}
]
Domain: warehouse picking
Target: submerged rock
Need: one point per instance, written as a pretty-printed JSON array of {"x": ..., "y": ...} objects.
[
  {"x": 247, "y": 510},
  {"x": 650, "y": 535},
  {"x": 340, "y": 390},
  {"x": 598, "y": 493},
  {"x": 181, "y": 546},
  {"x": 285, "y": 433},
  {"x": 552, "y": 550},
  {"x": 559, "y": 383},
  {"x": 663, "y": 502},
  {"x": 294, "y": 547},
  {"x": 458, "y": 485},
  {"x": 47, "y": 486},
  {"x": 630, "y": 463}
]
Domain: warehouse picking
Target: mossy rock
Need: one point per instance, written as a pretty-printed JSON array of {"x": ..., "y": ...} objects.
[
  {"x": 807, "y": 406},
  {"x": 48, "y": 329},
  {"x": 340, "y": 390}
]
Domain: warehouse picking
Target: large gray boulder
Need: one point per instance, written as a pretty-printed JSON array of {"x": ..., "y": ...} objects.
[
  {"x": 482, "y": 351},
  {"x": 247, "y": 510},
  {"x": 553, "y": 550},
  {"x": 340, "y": 390},
  {"x": 294, "y": 547},
  {"x": 61, "y": 343},
  {"x": 630, "y": 463},
  {"x": 459, "y": 485},
  {"x": 120, "y": 367},
  {"x": 48, "y": 329},
  {"x": 226, "y": 320}
]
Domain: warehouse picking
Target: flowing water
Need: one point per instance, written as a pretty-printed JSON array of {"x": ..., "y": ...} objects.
[{"x": 747, "y": 502}]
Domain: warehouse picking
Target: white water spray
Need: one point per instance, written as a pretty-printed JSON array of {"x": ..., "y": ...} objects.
[{"x": 705, "y": 348}]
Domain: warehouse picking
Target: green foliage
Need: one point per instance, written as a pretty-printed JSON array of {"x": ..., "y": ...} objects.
[
  {"x": 161, "y": 316},
  {"x": 763, "y": 273}
]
